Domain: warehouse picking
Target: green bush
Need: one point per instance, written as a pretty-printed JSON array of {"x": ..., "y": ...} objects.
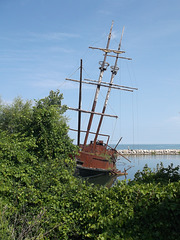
[{"x": 41, "y": 199}]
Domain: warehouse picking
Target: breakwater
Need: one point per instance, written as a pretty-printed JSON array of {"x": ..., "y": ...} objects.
[{"x": 149, "y": 152}]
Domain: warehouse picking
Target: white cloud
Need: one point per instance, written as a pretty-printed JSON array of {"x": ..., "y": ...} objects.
[
  {"x": 35, "y": 36},
  {"x": 50, "y": 83},
  {"x": 52, "y": 36},
  {"x": 104, "y": 12},
  {"x": 175, "y": 120},
  {"x": 114, "y": 35},
  {"x": 60, "y": 49},
  {"x": 45, "y": 83}
]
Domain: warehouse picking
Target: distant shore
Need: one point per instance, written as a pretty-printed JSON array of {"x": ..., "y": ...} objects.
[{"x": 149, "y": 152}]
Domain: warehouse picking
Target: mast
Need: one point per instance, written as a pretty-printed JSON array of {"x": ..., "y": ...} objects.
[
  {"x": 103, "y": 67},
  {"x": 114, "y": 72},
  {"x": 79, "y": 113}
]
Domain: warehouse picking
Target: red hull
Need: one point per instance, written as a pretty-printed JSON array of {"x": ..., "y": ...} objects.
[
  {"x": 99, "y": 159},
  {"x": 95, "y": 161}
]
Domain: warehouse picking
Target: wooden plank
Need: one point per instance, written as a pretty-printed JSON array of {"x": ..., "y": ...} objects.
[
  {"x": 119, "y": 57},
  {"x": 103, "y": 85},
  {"x": 84, "y": 111},
  {"x": 108, "y": 50},
  {"x": 116, "y": 85}
]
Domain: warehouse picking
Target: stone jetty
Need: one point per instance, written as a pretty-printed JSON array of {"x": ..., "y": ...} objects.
[{"x": 149, "y": 152}]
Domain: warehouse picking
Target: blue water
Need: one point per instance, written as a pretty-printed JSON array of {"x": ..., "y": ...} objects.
[
  {"x": 139, "y": 161},
  {"x": 148, "y": 146}
]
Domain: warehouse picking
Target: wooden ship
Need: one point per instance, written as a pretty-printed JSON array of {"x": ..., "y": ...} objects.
[{"x": 97, "y": 157}]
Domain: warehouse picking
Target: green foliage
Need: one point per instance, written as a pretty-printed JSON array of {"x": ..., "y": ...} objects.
[
  {"x": 5, "y": 229},
  {"x": 160, "y": 175},
  {"x": 16, "y": 117},
  {"x": 41, "y": 199},
  {"x": 50, "y": 129},
  {"x": 35, "y": 154}
]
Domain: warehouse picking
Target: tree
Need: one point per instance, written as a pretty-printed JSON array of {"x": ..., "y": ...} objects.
[
  {"x": 36, "y": 156},
  {"x": 41, "y": 199}
]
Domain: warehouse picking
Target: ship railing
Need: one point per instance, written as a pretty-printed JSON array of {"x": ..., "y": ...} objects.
[{"x": 100, "y": 134}]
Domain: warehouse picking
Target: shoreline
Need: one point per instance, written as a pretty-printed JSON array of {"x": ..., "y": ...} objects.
[{"x": 149, "y": 152}]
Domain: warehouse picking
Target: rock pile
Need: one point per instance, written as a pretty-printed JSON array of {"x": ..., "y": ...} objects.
[{"x": 150, "y": 152}]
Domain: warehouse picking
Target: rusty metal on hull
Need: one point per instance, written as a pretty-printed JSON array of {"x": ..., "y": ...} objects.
[
  {"x": 96, "y": 161},
  {"x": 101, "y": 160}
]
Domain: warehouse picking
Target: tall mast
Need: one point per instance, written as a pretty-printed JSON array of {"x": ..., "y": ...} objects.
[
  {"x": 102, "y": 69},
  {"x": 79, "y": 113},
  {"x": 114, "y": 72}
]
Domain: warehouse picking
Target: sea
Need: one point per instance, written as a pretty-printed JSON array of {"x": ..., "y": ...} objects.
[
  {"x": 137, "y": 162},
  {"x": 148, "y": 146}
]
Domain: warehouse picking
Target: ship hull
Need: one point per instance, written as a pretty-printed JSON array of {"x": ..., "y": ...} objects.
[
  {"x": 91, "y": 172},
  {"x": 99, "y": 162}
]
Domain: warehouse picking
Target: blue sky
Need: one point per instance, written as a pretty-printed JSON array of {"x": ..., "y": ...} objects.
[{"x": 42, "y": 42}]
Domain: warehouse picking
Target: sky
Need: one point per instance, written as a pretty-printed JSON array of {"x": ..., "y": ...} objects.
[{"x": 42, "y": 42}]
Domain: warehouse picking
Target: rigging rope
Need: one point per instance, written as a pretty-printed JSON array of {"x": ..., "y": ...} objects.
[
  {"x": 133, "y": 118},
  {"x": 113, "y": 130},
  {"x": 74, "y": 72}
]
